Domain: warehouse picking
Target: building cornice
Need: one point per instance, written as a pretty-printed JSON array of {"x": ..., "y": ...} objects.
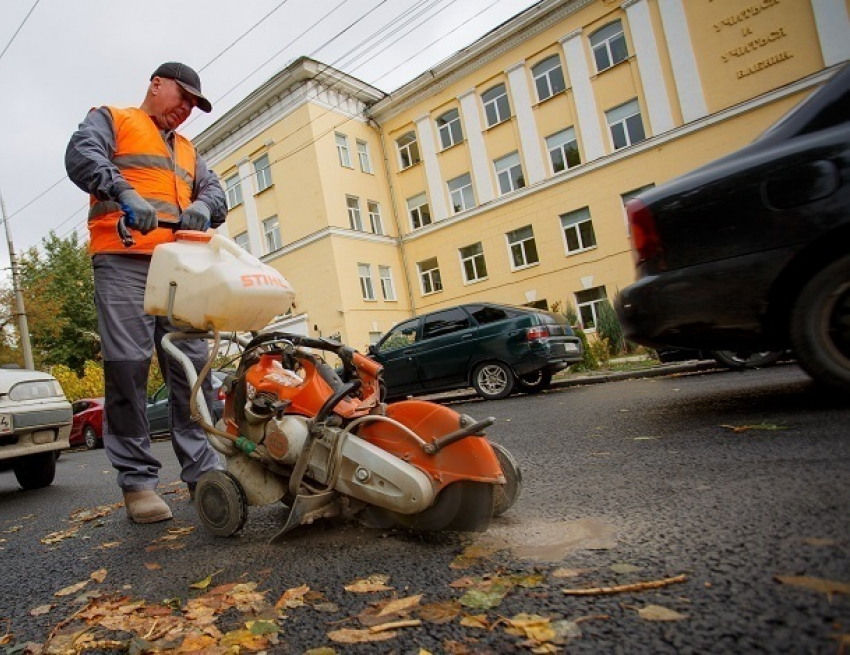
[
  {"x": 501, "y": 40},
  {"x": 326, "y": 233}
]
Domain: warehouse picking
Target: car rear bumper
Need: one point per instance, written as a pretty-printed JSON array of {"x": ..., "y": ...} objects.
[{"x": 552, "y": 354}]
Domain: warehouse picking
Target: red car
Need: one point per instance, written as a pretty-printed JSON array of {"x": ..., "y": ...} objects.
[{"x": 87, "y": 427}]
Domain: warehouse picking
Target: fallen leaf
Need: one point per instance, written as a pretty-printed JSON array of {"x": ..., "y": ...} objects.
[
  {"x": 624, "y": 568},
  {"x": 239, "y": 639},
  {"x": 56, "y": 537},
  {"x": 153, "y": 566},
  {"x": 86, "y": 515},
  {"x": 109, "y": 544},
  {"x": 262, "y": 627},
  {"x": 41, "y": 609},
  {"x": 569, "y": 573},
  {"x": 401, "y": 605},
  {"x": 475, "y": 621},
  {"x": 644, "y": 438},
  {"x": 659, "y": 613},
  {"x": 439, "y": 613},
  {"x": 463, "y": 583},
  {"x": 67, "y": 591},
  {"x": 99, "y": 575},
  {"x": 206, "y": 582},
  {"x": 482, "y": 599},
  {"x": 820, "y": 541},
  {"x": 368, "y": 585},
  {"x": 352, "y": 636},
  {"x": 470, "y": 556},
  {"x": 759, "y": 426},
  {"x": 322, "y": 650},
  {"x": 292, "y": 598},
  {"x": 14, "y": 528},
  {"x": 823, "y": 585}
]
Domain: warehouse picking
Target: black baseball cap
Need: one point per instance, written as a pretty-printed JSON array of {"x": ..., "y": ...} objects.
[{"x": 185, "y": 77}]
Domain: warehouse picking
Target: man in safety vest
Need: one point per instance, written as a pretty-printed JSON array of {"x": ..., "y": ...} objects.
[{"x": 131, "y": 161}]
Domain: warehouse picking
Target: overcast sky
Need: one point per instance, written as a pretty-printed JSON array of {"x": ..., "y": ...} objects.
[{"x": 71, "y": 56}]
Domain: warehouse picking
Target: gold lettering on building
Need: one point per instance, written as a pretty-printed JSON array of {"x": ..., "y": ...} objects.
[
  {"x": 753, "y": 45},
  {"x": 764, "y": 63},
  {"x": 745, "y": 14}
]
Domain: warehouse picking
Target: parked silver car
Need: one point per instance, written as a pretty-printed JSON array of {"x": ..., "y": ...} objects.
[{"x": 35, "y": 421}]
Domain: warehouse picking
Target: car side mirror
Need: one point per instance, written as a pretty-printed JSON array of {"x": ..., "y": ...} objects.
[{"x": 373, "y": 349}]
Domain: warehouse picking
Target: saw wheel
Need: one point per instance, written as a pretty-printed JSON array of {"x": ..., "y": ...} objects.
[
  {"x": 508, "y": 493},
  {"x": 221, "y": 503},
  {"x": 463, "y": 506}
]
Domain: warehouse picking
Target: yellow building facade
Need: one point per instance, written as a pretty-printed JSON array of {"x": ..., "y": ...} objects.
[{"x": 501, "y": 174}]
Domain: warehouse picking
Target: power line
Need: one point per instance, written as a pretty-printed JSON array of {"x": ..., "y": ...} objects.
[{"x": 23, "y": 22}]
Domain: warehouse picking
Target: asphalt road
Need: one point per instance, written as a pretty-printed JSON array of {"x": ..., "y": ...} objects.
[{"x": 625, "y": 482}]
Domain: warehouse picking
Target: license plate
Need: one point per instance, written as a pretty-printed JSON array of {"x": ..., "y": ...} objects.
[
  {"x": 6, "y": 423},
  {"x": 571, "y": 347}
]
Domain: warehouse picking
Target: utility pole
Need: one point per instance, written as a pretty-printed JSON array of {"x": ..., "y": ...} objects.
[{"x": 19, "y": 296}]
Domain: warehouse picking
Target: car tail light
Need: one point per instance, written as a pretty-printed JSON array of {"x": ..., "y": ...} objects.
[
  {"x": 220, "y": 394},
  {"x": 645, "y": 241},
  {"x": 539, "y": 332}
]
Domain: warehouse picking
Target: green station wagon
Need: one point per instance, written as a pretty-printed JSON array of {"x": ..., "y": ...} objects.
[{"x": 493, "y": 348}]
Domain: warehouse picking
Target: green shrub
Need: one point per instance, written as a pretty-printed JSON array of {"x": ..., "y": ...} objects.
[{"x": 608, "y": 328}]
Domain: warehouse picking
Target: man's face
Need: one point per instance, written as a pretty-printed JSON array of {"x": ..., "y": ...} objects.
[{"x": 172, "y": 104}]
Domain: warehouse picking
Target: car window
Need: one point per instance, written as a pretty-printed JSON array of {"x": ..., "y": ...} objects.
[
  {"x": 401, "y": 336},
  {"x": 161, "y": 394},
  {"x": 79, "y": 406},
  {"x": 441, "y": 323},
  {"x": 489, "y": 314}
]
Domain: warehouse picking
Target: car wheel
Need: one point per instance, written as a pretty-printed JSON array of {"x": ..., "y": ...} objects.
[
  {"x": 493, "y": 380},
  {"x": 90, "y": 437},
  {"x": 742, "y": 359},
  {"x": 35, "y": 471},
  {"x": 534, "y": 382},
  {"x": 820, "y": 326}
]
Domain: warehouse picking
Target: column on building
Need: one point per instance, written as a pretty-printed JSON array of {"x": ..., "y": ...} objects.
[
  {"x": 649, "y": 64},
  {"x": 477, "y": 150},
  {"x": 587, "y": 113},
  {"x": 833, "y": 26},
  {"x": 683, "y": 60},
  {"x": 434, "y": 179},
  {"x": 252, "y": 218},
  {"x": 534, "y": 167}
]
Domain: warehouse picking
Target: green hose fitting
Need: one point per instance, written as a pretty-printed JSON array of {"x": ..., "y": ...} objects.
[{"x": 245, "y": 445}]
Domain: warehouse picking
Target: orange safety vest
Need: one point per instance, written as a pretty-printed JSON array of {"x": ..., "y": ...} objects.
[{"x": 163, "y": 179}]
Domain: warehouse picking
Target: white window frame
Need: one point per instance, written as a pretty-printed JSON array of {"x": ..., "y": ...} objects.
[
  {"x": 449, "y": 129},
  {"x": 233, "y": 191},
  {"x": 355, "y": 217},
  {"x": 601, "y": 41},
  {"x": 363, "y": 156},
  {"x": 385, "y": 273},
  {"x": 342, "y": 150},
  {"x": 518, "y": 247},
  {"x": 547, "y": 75},
  {"x": 579, "y": 224},
  {"x": 430, "y": 280},
  {"x": 241, "y": 240},
  {"x": 414, "y": 211},
  {"x": 461, "y": 194},
  {"x": 591, "y": 305},
  {"x": 560, "y": 143},
  {"x": 375, "y": 220},
  {"x": 271, "y": 232},
  {"x": 497, "y": 104},
  {"x": 621, "y": 116},
  {"x": 473, "y": 255},
  {"x": 367, "y": 287},
  {"x": 263, "y": 173},
  {"x": 411, "y": 148},
  {"x": 509, "y": 173}
]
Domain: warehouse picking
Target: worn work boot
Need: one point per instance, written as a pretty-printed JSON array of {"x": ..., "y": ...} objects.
[{"x": 146, "y": 506}]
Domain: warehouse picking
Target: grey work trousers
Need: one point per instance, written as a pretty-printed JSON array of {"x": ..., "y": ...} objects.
[{"x": 128, "y": 337}]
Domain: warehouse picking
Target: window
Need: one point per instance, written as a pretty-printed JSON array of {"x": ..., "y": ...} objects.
[
  {"x": 628, "y": 195},
  {"x": 271, "y": 228},
  {"x": 588, "y": 303},
  {"x": 387, "y": 285},
  {"x": 578, "y": 230},
  {"x": 509, "y": 173},
  {"x": 241, "y": 240},
  {"x": 420, "y": 213},
  {"x": 363, "y": 155},
  {"x": 484, "y": 314},
  {"x": 233, "y": 189},
  {"x": 548, "y": 78},
  {"x": 523, "y": 248},
  {"x": 460, "y": 191},
  {"x": 609, "y": 46},
  {"x": 563, "y": 150},
  {"x": 497, "y": 108},
  {"x": 473, "y": 264},
  {"x": 429, "y": 276},
  {"x": 402, "y": 335},
  {"x": 408, "y": 150},
  {"x": 375, "y": 216},
  {"x": 442, "y": 323},
  {"x": 354, "y": 218},
  {"x": 625, "y": 124},
  {"x": 342, "y": 150},
  {"x": 366, "y": 288},
  {"x": 448, "y": 125},
  {"x": 263, "y": 171}
]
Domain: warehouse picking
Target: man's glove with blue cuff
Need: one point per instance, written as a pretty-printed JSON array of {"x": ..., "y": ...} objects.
[
  {"x": 140, "y": 213},
  {"x": 196, "y": 216}
]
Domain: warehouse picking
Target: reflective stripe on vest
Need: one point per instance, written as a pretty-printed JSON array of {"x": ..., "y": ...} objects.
[{"x": 164, "y": 179}]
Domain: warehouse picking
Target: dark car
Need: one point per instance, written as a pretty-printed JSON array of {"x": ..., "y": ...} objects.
[
  {"x": 750, "y": 253},
  {"x": 87, "y": 425},
  {"x": 491, "y": 347},
  {"x": 159, "y": 416}
]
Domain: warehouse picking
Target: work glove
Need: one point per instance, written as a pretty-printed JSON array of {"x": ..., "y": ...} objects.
[
  {"x": 140, "y": 213},
  {"x": 196, "y": 217}
]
